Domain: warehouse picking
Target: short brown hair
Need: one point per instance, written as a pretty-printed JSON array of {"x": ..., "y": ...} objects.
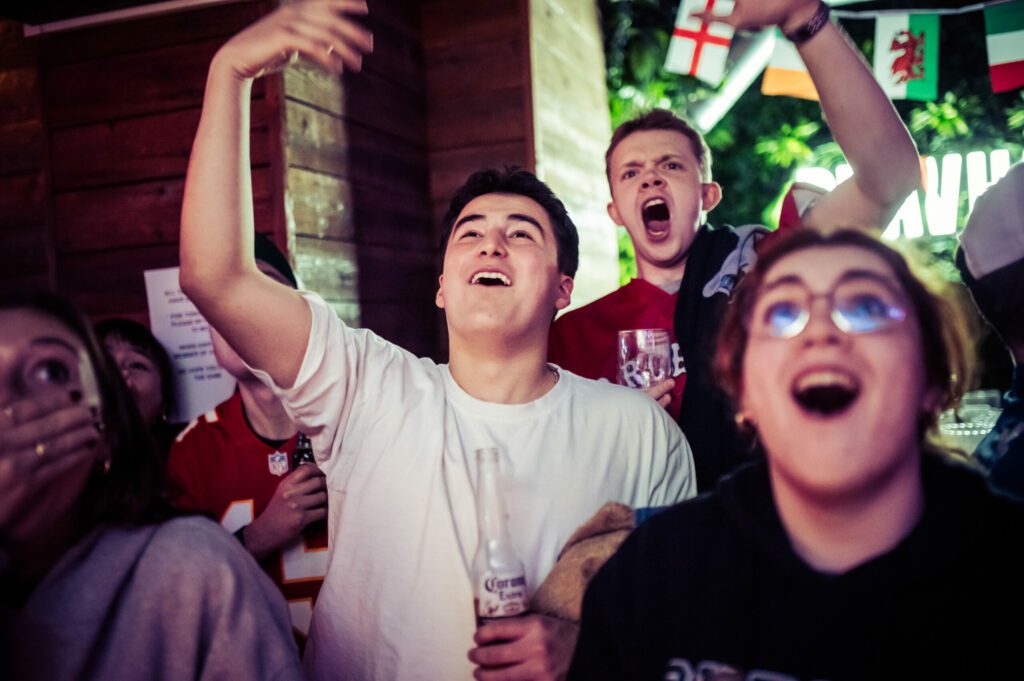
[
  {"x": 661, "y": 119},
  {"x": 944, "y": 329}
]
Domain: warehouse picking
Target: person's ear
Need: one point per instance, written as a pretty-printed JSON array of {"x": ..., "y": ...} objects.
[
  {"x": 439, "y": 298},
  {"x": 613, "y": 213},
  {"x": 564, "y": 296},
  {"x": 711, "y": 195}
]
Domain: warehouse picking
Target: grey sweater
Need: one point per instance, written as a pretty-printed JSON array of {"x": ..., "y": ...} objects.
[{"x": 178, "y": 600}]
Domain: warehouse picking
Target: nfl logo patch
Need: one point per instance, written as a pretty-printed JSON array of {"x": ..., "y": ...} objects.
[{"x": 278, "y": 463}]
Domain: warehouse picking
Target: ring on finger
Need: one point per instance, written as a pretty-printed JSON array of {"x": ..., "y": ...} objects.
[{"x": 40, "y": 449}]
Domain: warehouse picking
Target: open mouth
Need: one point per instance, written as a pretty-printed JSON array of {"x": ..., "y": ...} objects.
[
  {"x": 656, "y": 215},
  {"x": 490, "y": 279},
  {"x": 825, "y": 393}
]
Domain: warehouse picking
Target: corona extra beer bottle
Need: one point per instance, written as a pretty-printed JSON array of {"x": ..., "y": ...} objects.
[{"x": 499, "y": 579}]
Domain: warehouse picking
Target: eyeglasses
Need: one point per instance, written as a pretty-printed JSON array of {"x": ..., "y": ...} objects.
[{"x": 863, "y": 303}]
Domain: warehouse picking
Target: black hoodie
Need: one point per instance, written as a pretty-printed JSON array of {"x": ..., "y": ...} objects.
[{"x": 713, "y": 584}]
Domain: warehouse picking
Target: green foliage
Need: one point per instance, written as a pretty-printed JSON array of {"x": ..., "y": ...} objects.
[
  {"x": 627, "y": 258},
  {"x": 762, "y": 140}
]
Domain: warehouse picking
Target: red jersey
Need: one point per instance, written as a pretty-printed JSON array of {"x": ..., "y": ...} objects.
[
  {"x": 217, "y": 466},
  {"x": 584, "y": 341}
]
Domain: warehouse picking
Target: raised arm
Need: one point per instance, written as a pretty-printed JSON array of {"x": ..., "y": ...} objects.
[
  {"x": 266, "y": 322},
  {"x": 862, "y": 119}
]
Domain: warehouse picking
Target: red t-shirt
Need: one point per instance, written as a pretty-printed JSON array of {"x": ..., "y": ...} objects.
[
  {"x": 584, "y": 341},
  {"x": 217, "y": 466}
]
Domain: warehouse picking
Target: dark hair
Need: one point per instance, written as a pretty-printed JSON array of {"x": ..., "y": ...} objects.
[
  {"x": 943, "y": 327},
  {"x": 514, "y": 180},
  {"x": 140, "y": 338},
  {"x": 131, "y": 492},
  {"x": 661, "y": 119},
  {"x": 999, "y": 296},
  {"x": 267, "y": 251}
]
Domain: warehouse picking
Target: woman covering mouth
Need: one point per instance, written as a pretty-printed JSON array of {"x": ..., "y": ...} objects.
[{"x": 855, "y": 545}]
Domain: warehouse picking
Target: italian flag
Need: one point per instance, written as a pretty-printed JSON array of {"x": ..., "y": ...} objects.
[
  {"x": 786, "y": 74},
  {"x": 907, "y": 55},
  {"x": 1004, "y": 37},
  {"x": 698, "y": 48}
]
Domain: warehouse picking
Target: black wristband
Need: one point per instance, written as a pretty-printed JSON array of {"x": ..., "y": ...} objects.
[
  {"x": 239, "y": 534},
  {"x": 811, "y": 28}
]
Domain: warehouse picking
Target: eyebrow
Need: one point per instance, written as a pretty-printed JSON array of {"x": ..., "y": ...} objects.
[
  {"x": 53, "y": 340},
  {"x": 661, "y": 159},
  {"x": 520, "y": 217},
  {"x": 848, "y": 275}
]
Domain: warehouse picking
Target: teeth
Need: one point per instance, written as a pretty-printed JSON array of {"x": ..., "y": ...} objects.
[
  {"x": 819, "y": 379},
  {"x": 653, "y": 202},
  {"x": 496, "y": 276}
]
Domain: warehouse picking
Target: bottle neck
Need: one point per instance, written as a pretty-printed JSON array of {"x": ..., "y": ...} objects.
[{"x": 490, "y": 503}]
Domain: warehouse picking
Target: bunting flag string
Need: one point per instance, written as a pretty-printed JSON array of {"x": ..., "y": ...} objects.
[
  {"x": 906, "y": 51},
  {"x": 941, "y": 11}
]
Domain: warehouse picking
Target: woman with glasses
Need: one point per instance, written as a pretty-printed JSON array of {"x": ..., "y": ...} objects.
[
  {"x": 856, "y": 549},
  {"x": 98, "y": 578}
]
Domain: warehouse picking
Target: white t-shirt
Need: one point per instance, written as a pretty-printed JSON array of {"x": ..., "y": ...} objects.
[{"x": 396, "y": 437}]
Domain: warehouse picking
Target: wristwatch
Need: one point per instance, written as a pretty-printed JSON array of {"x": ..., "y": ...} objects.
[{"x": 811, "y": 28}]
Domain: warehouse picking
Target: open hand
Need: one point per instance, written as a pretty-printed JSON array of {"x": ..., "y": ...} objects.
[
  {"x": 533, "y": 647},
  {"x": 300, "y": 499},
  {"x": 319, "y": 30},
  {"x": 749, "y": 15}
]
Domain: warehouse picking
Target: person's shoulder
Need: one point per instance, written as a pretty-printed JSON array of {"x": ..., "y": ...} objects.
[
  {"x": 603, "y": 306},
  {"x": 192, "y": 554},
  {"x": 195, "y": 539},
  {"x": 692, "y": 517},
  {"x": 668, "y": 540},
  {"x": 630, "y": 401}
]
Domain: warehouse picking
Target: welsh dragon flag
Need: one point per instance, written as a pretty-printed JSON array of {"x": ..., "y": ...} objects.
[
  {"x": 1004, "y": 37},
  {"x": 907, "y": 55},
  {"x": 698, "y": 48}
]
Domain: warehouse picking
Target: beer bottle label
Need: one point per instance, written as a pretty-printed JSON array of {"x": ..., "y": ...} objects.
[{"x": 500, "y": 595}]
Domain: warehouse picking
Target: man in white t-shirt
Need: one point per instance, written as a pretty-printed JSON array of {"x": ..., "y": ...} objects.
[{"x": 395, "y": 435}]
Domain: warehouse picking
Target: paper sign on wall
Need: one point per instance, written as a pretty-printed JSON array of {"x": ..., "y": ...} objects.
[{"x": 200, "y": 383}]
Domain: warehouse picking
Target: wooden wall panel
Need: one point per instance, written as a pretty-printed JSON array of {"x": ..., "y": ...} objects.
[
  {"x": 147, "y": 213},
  {"x": 131, "y": 150},
  {"x": 572, "y": 127},
  {"x": 121, "y": 104},
  {"x": 105, "y": 284},
  {"x": 356, "y": 186},
  {"x": 22, "y": 145},
  {"x": 26, "y": 252},
  {"x": 148, "y": 33},
  {"x": 114, "y": 87},
  {"x": 478, "y": 91}
]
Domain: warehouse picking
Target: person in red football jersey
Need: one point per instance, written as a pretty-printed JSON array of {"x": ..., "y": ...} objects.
[{"x": 235, "y": 463}]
